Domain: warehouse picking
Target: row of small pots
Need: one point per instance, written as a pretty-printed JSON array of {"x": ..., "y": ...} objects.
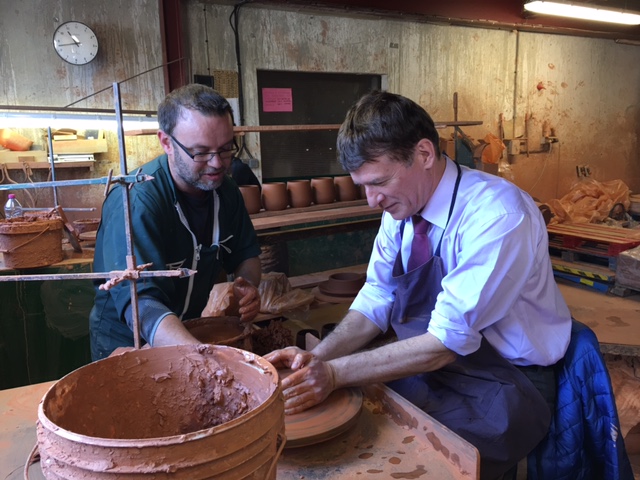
[{"x": 300, "y": 193}]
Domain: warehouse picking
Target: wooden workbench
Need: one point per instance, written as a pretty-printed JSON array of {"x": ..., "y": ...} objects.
[{"x": 391, "y": 439}]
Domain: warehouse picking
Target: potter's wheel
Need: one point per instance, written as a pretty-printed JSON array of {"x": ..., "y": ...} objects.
[{"x": 337, "y": 414}]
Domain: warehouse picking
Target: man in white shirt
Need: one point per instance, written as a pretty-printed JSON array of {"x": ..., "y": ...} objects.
[{"x": 479, "y": 320}]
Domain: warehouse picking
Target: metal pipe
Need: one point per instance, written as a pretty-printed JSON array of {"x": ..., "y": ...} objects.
[
  {"x": 182, "y": 272},
  {"x": 53, "y": 168},
  {"x": 87, "y": 181},
  {"x": 128, "y": 227}
]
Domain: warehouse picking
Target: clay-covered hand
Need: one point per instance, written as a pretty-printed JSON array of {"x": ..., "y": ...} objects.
[
  {"x": 310, "y": 382},
  {"x": 249, "y": 299}
]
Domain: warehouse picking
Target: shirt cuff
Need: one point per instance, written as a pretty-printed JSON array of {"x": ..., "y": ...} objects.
[
  {"x": 374, "y": 304},
  {"x": 150, "y": 312}
]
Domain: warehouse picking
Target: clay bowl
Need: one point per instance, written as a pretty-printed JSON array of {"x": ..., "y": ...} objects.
[
  {"x": 342, "y": 284},
  {"x": 346, "y": 190},
  {"x": 251, "y": 196},
  {"x": 274, "y": 196},
  {"x": 228, "y": 331}
]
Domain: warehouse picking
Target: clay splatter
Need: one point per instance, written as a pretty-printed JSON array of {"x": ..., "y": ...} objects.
[
  {"x": 364, "y": 456},
  {"x": 408, "y": 439},
  {"x": 417, "y": 473},
  {"x": 617, "y": 321},
  {"x": 394, "y": 460},
  {"x": 437, "y": 444},
  {"x": 375, "y": 471}
]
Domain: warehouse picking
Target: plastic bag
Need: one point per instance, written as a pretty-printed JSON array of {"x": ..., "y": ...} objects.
[
  {"x": 277, "y": 296},
  {"x": 589, "y": 201},
  {"x": 221, "y": 302}
]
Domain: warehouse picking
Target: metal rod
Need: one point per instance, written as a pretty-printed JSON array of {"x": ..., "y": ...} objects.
[
  {"x": 182, "y": 272},
  {"x": 128, "y": 227},
  {"x": 69, "y": 209},
  {"x": 87, "y": 181},
  {"x": 53, "y": 168}
]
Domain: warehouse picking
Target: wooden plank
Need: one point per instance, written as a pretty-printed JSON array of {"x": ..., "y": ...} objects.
[
  {"x": 596, "y": 232},
  {"x": 310, "y": 208},
  {"x": 285, "y": 219}
]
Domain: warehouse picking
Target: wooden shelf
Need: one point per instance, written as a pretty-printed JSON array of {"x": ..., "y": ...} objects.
[
  {"x": 302, "y": 128},
  {"x": 47, "y": 165},
  {"x": 304, "y": 216}
]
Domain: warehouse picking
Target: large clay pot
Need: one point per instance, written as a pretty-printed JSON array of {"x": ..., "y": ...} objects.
[
  {"x": 300, "y": 194},
  {"x": 30, "y": 242},
  {"x": 274, "y": 196},
  {"x": 346, "y": 190},
  {"x": 184, "y": 412},
  {"x": 323, "y": 190},
  {"x": 252, "y": 200}
]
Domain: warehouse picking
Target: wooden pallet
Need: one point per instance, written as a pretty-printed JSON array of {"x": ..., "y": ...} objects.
[{"x": 592, "y": 239}]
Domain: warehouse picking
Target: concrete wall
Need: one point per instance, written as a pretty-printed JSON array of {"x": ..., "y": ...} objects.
[{"x": 589, "y": 95}]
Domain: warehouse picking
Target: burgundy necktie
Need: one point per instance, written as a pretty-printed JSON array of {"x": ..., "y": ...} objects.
[{"x": 420, "y": 246}]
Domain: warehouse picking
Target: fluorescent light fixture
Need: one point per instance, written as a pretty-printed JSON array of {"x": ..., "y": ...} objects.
[
  {"x": 583, "y": 12},
  {"x": 77, "y": 121}
]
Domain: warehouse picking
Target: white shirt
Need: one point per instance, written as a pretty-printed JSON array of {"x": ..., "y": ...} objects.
[{"x": 498, "y": 277}]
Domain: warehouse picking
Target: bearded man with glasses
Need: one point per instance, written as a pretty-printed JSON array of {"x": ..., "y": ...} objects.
[{"x": 191, "y": 215}]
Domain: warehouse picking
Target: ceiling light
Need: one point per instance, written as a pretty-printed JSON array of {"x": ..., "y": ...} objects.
[{"x": 584, "y": 12}]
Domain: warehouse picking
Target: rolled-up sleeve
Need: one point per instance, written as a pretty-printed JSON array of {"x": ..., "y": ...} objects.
[{"x": 376, "y": 297}]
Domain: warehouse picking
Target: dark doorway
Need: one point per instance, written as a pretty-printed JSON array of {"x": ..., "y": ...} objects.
[{"x": 303, "y": 98}]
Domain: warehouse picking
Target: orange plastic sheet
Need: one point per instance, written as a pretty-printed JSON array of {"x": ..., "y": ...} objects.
[{"x": 589, "y": 201}]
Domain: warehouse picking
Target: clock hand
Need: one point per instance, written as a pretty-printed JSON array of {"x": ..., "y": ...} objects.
[
  {"x": 74, "y": 38},
  {"x": 67, "y": 44}
]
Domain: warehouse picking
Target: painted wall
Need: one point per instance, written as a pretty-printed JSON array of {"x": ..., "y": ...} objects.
[
  {"x": 589, "y": 93},
  {"x": 589, "y": 98}
]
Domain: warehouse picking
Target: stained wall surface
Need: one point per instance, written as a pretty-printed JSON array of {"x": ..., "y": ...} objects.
[{"x": 584, "y": 90}]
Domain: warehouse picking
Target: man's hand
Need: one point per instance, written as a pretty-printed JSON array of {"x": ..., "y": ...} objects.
[
  {"x": 248, "y": 299},
  {"x": 310, "y": 382}
]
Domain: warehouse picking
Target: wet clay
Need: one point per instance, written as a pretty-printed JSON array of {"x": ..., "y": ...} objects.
[{"x": 136, "y": 399}]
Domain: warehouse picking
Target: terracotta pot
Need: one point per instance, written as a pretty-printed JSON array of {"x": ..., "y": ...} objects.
[
  {"x": 346, "y": 190},
  {"x": 274, "y": 196},
  {"x": 195, "y": 411},
  {"x": 252, "y": 200},
  {"x": 86, "y": 225},
  {"x": 323, "y": 190},
  {"x": 300, "y": 194},
  {"x": 30, "y": 242}
]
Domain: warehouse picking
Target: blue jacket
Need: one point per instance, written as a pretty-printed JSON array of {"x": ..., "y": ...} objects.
[{"x": 584, "y": 441}]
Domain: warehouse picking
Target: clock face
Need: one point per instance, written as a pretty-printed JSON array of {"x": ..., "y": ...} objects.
[{"x": 75, "y": 43}]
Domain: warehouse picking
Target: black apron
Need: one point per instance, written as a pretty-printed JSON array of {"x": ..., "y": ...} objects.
[{"x": 481, "y": 396}]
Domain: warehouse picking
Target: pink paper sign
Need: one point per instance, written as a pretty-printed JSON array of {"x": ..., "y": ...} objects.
[{"x": 277, "y": 100}]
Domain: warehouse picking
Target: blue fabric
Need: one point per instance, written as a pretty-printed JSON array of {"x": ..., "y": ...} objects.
[{"x": 584, "y": 441}]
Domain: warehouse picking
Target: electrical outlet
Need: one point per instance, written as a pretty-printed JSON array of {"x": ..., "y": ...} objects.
[{"x": 583, "y": 171}]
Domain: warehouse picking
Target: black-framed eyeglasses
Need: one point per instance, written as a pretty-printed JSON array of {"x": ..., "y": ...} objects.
[{"x": 223, "y": 154}]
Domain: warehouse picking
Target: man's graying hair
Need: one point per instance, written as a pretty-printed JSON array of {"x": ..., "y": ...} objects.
[
  {"x": 194, "y": 96},
  {"x": 383, "y": 123}
]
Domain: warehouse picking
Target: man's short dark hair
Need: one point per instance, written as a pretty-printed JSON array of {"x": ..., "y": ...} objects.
[
  {"x": 194, "y": 96},
  {"x": 383, "y": 123}
]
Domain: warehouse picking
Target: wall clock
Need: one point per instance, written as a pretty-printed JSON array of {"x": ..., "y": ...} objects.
[{"x": 75, "y": 42}]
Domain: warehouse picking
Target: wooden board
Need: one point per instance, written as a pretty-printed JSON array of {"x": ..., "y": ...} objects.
[
  {"x": 285, "y": 219},
  {"x": 391, "y": 438},
  {"x": 593, "y": 238}
]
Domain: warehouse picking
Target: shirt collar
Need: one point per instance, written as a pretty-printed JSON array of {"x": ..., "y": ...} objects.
[{"x": 437, "y": 208}]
